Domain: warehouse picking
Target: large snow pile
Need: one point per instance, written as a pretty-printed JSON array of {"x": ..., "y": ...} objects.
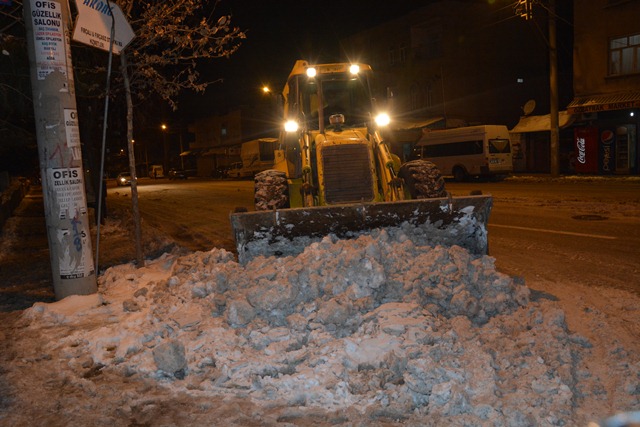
[{"x": 416, "y": 334}]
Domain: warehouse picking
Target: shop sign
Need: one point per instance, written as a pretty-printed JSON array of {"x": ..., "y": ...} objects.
[
  {"x": 585, "y": 158},
  {"x": 624, "y": 105},
  {"x": 607, "y": 151}
]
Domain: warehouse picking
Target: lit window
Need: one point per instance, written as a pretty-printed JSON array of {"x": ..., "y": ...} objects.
[{"x": 624, "y": 55}]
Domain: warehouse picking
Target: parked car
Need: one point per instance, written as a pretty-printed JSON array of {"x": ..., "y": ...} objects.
[
  {"x": 177, "y": 174},
  {"x": 123, "y": 179}
]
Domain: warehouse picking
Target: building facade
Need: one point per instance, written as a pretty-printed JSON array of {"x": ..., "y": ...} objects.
[
  {"x": 457, "y": 63},
  {"x": 218, "y": 138},
  {"x": 465, "y": 60},
  {"x": 606, "y": 86}
]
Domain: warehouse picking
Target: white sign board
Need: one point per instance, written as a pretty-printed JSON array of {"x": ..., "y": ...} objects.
[
  {"x": 93, "y": 26},
  {"x": 67, "y": 183},
  {"x": 49, "y": 38}
]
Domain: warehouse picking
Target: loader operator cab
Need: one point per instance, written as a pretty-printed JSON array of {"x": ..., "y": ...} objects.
[{"x": 345, "y": 96}]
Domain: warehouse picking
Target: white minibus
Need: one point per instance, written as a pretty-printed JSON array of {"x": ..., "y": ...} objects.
[{"x": 472, "y": 151}]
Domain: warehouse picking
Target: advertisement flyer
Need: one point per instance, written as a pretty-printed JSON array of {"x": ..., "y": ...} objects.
[
  {"x": 49, "y": 38},
  {"x": 72, "y": 130},
  {"x": 73, "y": 233}
]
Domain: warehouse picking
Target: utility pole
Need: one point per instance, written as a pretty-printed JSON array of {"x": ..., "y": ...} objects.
[
  {"x": 57, "y": 131},
  {"x": 553, "y": 92},
  {"x": 524, "y": 9}
]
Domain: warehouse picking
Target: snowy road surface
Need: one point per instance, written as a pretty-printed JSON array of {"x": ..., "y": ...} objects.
[{"x": 572, "y": 229}]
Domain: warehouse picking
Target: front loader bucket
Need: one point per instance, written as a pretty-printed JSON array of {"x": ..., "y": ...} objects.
[{"x": 458, "y": 221}]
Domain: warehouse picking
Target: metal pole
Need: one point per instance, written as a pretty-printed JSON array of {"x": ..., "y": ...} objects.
[
  {"x": 104, "y": 137},
  {"x": 60, "y": 155},
  {"x": 553, "y": 92},
  {"x": 444, "y": 104}
]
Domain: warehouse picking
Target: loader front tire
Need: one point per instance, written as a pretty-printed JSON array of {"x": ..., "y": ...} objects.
[
  {"x": 423, "y": 179},
  {"x": 271, "y": 190}
]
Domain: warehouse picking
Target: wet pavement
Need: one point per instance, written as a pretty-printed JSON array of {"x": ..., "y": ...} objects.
[{"x": 25, "y": 267}]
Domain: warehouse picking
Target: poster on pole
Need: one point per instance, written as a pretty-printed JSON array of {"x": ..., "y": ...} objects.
[
  {"x": 68, "y": 185},
  {"x": 93, "y": 26},
  {"x": 48, "y": 34},
  {"x": 72, "y": 131}
]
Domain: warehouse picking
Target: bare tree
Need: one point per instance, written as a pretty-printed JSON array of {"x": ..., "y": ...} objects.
[{"x": 172, "y": 38}]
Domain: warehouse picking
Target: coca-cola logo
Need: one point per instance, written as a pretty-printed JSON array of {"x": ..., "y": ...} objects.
[
  {"x": 607, "y": 137},
  {"x": 582, "y": 148}
]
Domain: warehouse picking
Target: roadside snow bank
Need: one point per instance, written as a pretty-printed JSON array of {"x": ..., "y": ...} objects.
[{"x": 377, "y": 323}]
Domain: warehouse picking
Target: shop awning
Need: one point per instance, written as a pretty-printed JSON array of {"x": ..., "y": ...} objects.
[
  {"x": 214, "y": 151},
  {"x": 617, "y": 101},
  {"x": 412, "y": 125},
  {"x": 193, "y": 152},
  {"x": 542, "y": 123}
]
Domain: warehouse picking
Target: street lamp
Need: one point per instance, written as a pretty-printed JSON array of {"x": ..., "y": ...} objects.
[{"x": 165, "y": 144}]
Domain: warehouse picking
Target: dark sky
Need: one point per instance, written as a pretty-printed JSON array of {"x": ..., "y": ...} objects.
[
  {"x": 281, "y": 31},
  {"x": 278, "y": 33}
]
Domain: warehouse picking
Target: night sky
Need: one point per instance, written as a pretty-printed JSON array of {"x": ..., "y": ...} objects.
[
  {"x": 278, "y": 33},
  {"x": 281, "y": 31}
]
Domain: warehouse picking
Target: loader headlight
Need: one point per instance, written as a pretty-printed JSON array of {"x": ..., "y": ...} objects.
[
  {"x": 291, "y": 126},
  {"x": 382, "y": 119},
  {"x": 354, "y": 69},
  {"x": 311, "y": 72}
]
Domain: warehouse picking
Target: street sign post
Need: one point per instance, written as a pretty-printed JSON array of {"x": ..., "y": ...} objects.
[{"x": 93, "y": 26}]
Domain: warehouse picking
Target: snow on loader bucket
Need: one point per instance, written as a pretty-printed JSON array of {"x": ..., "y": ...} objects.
[{"x": 458, "y": 221}]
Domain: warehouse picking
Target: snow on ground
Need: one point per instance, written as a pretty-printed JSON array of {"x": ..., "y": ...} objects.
[
  {"x": 378, "y": 331},
  {"x": 372, "y": 331}
]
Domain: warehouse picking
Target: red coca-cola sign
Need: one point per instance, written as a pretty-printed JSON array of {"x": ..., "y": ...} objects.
[{"x": 586, "y": 149}]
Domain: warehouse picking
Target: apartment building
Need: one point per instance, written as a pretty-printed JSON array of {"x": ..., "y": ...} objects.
[
  {"x": 606, "y": 100},
  {"x": 462, "y": 62}
]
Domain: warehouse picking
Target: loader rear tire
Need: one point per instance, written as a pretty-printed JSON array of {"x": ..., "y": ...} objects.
[
  {"x": 271, "y": 190},
  {"x": 423, "y": 179}
]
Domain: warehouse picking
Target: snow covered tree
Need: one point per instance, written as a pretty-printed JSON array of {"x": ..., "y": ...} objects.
[{"x": 172, "y": 38}]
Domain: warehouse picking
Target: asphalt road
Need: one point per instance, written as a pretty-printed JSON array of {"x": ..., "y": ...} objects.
[{"x": 584, "y": 231}]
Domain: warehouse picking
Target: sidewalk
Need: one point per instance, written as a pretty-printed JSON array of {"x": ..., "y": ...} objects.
[{"x": 25, "y": 268}]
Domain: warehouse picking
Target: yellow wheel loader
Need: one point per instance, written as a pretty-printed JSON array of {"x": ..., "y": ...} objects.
[{"x": 334, "y": 175}]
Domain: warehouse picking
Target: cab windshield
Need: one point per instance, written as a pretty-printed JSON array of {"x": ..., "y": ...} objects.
[{"x": 323, "y": 97}]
